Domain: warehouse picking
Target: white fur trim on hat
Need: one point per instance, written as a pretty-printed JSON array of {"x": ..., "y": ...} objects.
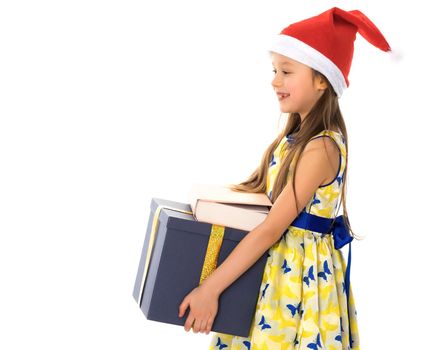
[{"x": 298, "y": 50}]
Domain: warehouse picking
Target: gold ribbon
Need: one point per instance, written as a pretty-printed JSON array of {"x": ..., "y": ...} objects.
[{"x": 211, "y": 255}]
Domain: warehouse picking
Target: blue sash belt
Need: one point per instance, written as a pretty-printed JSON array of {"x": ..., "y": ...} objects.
[{"x": 341, "y": 237}]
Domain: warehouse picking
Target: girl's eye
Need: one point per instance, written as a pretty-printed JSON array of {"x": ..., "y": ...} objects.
[{"x": 275, "y": 71}]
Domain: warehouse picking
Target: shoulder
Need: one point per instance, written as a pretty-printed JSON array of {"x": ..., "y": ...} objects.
[
  {"x": 319, "y": 159},
  {"x": 322, "y": 145}
]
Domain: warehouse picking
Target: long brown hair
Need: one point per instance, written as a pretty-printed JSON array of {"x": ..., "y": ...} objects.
[{"x": 325, "y": 114}]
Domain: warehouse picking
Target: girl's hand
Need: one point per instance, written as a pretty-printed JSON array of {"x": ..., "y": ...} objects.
[{"x": 203, "y": 304}]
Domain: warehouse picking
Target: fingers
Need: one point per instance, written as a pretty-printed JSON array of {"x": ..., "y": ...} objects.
[
  {"x": 183, "y": 306},
  {"x": 209, "y": 325},
  {"x": 189, "y": 322},
  {"x": 202, "y": 325},
  {"x": 197, "y": 325}
]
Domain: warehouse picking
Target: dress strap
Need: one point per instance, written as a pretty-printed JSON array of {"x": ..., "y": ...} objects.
[{"x": 336, "y": 136}]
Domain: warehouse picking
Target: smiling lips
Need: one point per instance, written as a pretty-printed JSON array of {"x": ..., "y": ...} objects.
[{"x": 282, "y": 96}]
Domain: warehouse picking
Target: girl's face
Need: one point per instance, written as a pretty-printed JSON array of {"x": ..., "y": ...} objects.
[{"x": 295, "y": 80}]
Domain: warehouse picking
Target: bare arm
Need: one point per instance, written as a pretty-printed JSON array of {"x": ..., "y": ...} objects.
[{"x": 313, "y": 168}]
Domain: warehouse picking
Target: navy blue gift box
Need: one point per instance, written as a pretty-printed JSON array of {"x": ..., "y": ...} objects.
[{"x": 173, "y": 262}]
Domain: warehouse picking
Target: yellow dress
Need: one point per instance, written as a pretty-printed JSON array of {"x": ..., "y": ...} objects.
[{"x": 302, "y": 301}]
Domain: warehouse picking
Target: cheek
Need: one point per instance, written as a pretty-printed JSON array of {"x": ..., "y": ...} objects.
[
  {"x": 292, "y": 87},
  {"x": 295, "y": 84},
  {"x": 299, "y": 89},
  {"x": 296, "y": 90}
]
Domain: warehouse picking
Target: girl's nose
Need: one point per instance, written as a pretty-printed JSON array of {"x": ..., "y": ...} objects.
[{"x": 275, "y": 82}]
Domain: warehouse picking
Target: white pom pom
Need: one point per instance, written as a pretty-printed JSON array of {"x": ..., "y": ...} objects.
[{"x": 395, "y": 54}]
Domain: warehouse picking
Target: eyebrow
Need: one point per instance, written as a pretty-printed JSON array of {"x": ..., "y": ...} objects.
[{"x": 285, "y": 62}]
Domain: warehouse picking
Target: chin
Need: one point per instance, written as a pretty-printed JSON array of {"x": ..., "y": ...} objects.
[{"x": 285, "y": 109}]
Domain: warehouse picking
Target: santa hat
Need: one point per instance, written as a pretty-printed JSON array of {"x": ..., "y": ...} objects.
[{"x": 326, "y": 43}]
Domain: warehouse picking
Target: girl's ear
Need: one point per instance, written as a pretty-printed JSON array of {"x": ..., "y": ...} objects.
[{"x": 321, "y": 84}]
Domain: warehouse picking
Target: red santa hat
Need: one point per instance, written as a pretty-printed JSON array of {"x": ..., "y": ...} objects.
[{"x": 326, "y": 43}]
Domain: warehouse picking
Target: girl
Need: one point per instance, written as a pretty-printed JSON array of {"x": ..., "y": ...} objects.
[{"x": 305, "y": 299}]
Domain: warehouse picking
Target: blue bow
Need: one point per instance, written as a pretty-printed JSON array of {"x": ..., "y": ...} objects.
[{"x": 342, "y": 237}]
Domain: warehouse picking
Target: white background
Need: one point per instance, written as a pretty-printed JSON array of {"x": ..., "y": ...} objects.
[{"x": 106, "y": 104}]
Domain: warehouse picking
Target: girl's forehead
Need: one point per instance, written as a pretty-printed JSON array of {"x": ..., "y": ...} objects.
[{"x": 281, "y": 59}]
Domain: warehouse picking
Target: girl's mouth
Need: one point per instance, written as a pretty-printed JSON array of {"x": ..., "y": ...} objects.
[{"x": 282, "y": 97}]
